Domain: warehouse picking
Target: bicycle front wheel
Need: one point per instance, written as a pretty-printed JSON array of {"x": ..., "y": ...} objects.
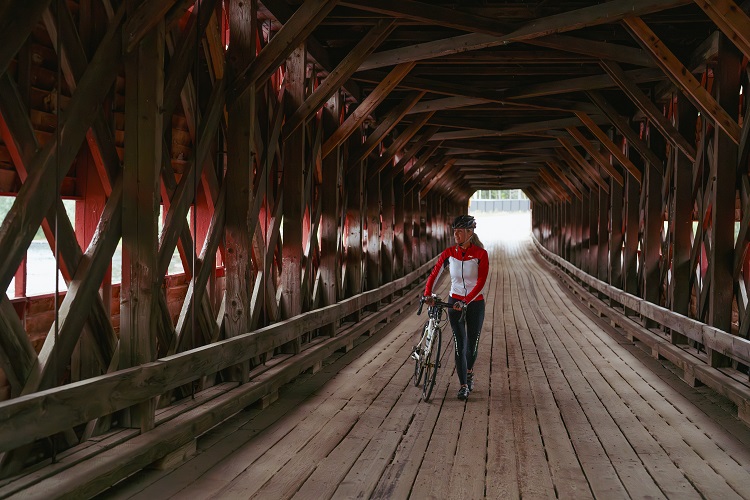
[
  {"x": 419, "y": 363},
  {"x": 431, "y": 364}
]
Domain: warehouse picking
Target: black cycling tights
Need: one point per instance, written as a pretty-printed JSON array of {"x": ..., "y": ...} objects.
[{"x": 466, "y": 335}]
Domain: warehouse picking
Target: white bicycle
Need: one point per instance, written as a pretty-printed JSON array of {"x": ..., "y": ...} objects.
[{"x": 426, "y": 353}]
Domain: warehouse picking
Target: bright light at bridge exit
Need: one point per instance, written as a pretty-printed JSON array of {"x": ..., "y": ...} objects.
[
  {"x": 503, "y": 226},
  {"x": 502, "y": 215}
]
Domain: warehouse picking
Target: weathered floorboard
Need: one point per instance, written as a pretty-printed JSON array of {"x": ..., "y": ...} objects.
[{"x": 563, "y": 406}]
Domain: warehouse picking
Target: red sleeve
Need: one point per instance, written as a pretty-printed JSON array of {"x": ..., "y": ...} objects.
[
  {"x": 436, "y": 272},
  {"x": 484, "y": 268}
]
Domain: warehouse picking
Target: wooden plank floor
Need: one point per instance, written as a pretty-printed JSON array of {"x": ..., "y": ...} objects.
[{"x": 563, "y": 407}]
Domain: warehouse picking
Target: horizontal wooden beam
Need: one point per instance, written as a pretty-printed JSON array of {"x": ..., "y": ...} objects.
[
  {"x": 603, "y": 13},
  {"x": 432, "y": 14},
  {"x": 681, "y": 77},
  {"x": 588, "y": 16},
  {"x": 594, "y": 82},
  {"x": 442, "y": 104},
  {"x": 520, "y": 128},
  {"x": 454, "y": 18}
]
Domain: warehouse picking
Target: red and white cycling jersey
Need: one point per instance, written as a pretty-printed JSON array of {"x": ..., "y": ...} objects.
[{"x": 468, "y": 270}]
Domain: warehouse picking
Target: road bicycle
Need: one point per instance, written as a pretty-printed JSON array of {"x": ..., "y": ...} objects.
[{"x": 426, "y": 354}]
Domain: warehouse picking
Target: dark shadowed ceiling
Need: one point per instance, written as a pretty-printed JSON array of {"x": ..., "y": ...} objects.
[{"x": 513, "y": 94}]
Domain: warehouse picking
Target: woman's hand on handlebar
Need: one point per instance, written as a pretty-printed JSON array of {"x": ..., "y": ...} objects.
[
  {"x": 459, "y": 306},
  {"x": 429, "y": 300}
]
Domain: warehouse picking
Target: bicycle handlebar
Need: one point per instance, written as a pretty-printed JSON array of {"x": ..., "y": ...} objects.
[{"x": 442, "y": 304}]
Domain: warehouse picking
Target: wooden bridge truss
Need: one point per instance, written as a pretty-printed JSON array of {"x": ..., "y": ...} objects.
[{"x": 307, "y": 157}]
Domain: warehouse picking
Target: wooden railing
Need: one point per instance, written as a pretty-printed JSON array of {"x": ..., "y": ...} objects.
[
  {"x": 27, "y": 418},
  {"x": 725, "y": 380}
]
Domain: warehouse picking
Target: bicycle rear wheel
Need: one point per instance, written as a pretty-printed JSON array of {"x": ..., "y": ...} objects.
[{"x": 431, "y": 363}]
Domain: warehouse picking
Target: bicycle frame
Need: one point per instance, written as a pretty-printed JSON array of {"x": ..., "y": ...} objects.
[{"x": 434, "y": 315}]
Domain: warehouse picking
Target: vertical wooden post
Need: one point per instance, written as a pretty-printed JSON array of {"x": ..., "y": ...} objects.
[
  {"x": 593, "y": 232},
  {"x": 144, "y": 87},
  {"x": 552, "y": 221},
  {"x": 562, "y": 226},
  {"x": 603, "y": 233},
  {"x": 568, "y": 229},
  {"x": 630, "y": 249},
  {"x": 653, "y": 223},
  {"x": 557, "y": 228},
  {"x": 408, "y": 225},
  {"x": 616, "y": 235},
  {"x": 329, "y": 229},
  {"x": 575, "y": 209},
  {"x": 568, "y": 210},
  {"x": 436, "y": 236},
  {"x": 354, "y": 208},
  {"x": 545, "y": 223},
  {"x": 550, "y": 225},
  {"x": 578, "y": 211},
  {"x": 293, "y": 184},
  {"x": 373, "y": 233},
  {"x": 416, "y": 228},
  {"x": 723, "y": 197},
  {"x": 241, "y": 157},
  {"x": 387, "y": 235},
  {"x": 681, "y": 218},
  {"x": 430, "y": 220},
  {"x": 586, "y": 230},
  {"x": 399, "y": 227},
  {"x": 423, "y": 216}
]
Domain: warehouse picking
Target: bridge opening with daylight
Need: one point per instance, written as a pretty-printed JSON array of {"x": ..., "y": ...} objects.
[{"x": 217, "y": 219}]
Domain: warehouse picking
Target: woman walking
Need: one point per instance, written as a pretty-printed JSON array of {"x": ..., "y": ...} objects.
[{"x": 468, "y": 265}]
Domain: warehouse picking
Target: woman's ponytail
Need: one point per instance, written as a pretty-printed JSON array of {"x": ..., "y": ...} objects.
[{"x": 474, "y": 240}]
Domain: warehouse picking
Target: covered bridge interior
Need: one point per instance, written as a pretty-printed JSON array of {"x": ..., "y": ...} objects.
[{"x": 300, "y": 162}]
